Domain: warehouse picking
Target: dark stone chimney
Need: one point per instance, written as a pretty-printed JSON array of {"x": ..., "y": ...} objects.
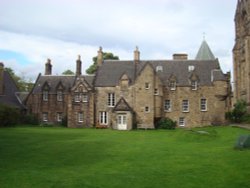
[
  {"x": 1, "y": 78},
  {"x": 136, "y": 55},
  {"x": 99, "y": 57},
  {"x": 48, "y": 67},
  {"x": 78, "y": 66}
]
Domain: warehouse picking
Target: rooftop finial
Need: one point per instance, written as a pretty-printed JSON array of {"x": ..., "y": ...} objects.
[
  {"x": 136, "y": 48},
  {"x": 48, "y": 60},
  {"x": 204, "y": 36},
  {"x": 100, "y": 48}
]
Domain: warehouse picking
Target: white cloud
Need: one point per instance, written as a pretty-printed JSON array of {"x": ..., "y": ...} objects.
[{"x": 62, "y": 29}]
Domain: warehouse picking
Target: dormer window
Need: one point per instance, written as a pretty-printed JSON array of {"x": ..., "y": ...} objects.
[
  {"x": 77, "y": 97},
  {"x": 159, "y": 68},
  {"x": 45, "y": 95},
  {"x": 194, "y": 85},
  {"x": 59, "y": 96},
  {"x": 172, "y": 85},
  {"x": 84, "y": 97},
  {"x": 190, "y": 68}
]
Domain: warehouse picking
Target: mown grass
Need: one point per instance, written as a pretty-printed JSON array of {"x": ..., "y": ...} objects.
[{"x": 61, "y": 157}]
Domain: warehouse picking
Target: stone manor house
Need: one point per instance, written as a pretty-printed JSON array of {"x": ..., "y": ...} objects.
[
  {"x": 241, "y": 52},
  {"x": 136, "y": 93}
]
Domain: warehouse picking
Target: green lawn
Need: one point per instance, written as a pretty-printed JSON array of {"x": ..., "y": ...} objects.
[{"x": 61, "y": 157}]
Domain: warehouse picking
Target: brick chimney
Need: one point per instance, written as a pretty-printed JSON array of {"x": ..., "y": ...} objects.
[
  {"x": 78, "y": 66},
  {"x": 136, "y": 55},
  {"x": 1, "y": 78},
  {"x": 48, "y": 67},
  {"x": 99, "y": 57},
  {"x": 180, "y": 57}
]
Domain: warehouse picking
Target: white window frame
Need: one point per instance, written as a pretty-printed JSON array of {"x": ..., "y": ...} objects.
[
  {"x": 147, "y": 109},
  {"x": 103, "y": 118},
  {"x": 182, "y": 122},
  {"x": 167, "y": 105},
  {"x": 203, "y": 105},
  {"x": 59, "y": 116},
  {"x": 45, "y": 116},
  {"x": 59, "y": 96},
  {"x": 194, "y": 85},
  {"x": 84, "y": 97},
  {"x": 172, "y": 85},
  {"x": 111, "y": 99},
  {"x": 45, "y": 95},
  {"x": 77, "y": 97},
  {"x": 159, "y": 68},
  {"x": 80, "y": 117},
  {"x": 147, "y": 85},
  {"x": 185, "y": 106}
]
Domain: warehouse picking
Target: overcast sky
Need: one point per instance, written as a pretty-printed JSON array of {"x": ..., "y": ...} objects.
[{"x": 33, "y": 30}]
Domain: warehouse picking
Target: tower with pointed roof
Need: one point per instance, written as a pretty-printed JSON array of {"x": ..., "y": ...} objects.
[
  {"x": 204, "y": 52},
  {"x": 241, "y": 52}
]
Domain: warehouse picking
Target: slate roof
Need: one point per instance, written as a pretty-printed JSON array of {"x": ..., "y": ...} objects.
[
  {"x": 122, "y": 105},
  {"x": 204, "y": 52},
  {"x": 53, "y": 81},
  {"x": 111, "y": 71},
  {"x": 10, "y": 95}
]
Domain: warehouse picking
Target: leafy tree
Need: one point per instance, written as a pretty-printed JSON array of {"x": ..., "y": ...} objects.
[
  {"x": 106, "y": 56},
  {"x": 22, "y": 83},
  {"x": 68, "y": 72},
  {"x": 238, "y": 113}
]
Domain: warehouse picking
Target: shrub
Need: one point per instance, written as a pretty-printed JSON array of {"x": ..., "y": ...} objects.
[
  {"x": 166, "y": 123},
  {"x": 8, "y": 116},
  {"x": 238, "y": 113},
  {"x": 64, "y": 122},
  {"x": 30, "y": 119}
]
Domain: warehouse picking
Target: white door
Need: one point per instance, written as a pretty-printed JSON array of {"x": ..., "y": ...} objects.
[{"x": 122, "y": 122}]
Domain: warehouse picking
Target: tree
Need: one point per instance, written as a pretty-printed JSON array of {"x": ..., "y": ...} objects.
[
  {"x": 106, "y": 56},
  {"x": 238, "y": 113},
  {"x": 68, "y": 72},
  {"x": 22, "y": 83}
]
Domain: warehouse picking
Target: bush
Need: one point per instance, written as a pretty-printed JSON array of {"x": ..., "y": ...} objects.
[
  {"x": 166, "y": 123},
  {"x": 30, "y": 119},
  {"x": 64, "y": 122},
  {"x": 9, "y": 116},
  {"x": 238, "y": 113}
]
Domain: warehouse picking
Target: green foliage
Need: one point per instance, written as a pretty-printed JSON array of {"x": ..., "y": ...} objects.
[
  {"x": 64, "y": 122},
  {"x": 8, "y": 116},
  {"x": 68, "y": 72},
  {"x": 166, "y": 123},
  {"x": 238, "y": 113},
  {"x": 22, "y": 83},
  {"x": 106, "y": 56},
  {"x": 30, "y": 119}
]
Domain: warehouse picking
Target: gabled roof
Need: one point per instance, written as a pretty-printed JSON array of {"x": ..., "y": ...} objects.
[
  {"x": 109, "y": 74},
  {"x": 67, "y": 82},
  {"x": 11, "y": 93},
  {"x": 122, "y": 105},
  {"x": 204, "y": 52}
]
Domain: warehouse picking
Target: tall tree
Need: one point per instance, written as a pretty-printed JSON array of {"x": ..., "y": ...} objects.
[
  {"x": 106, "y": 56},
  {"x": 68, "y": 72},
  {"x": 22, "y": 83}
]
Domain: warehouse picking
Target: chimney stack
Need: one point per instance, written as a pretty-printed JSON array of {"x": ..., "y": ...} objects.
[
  {"x": 48, "y": 67},
  {"x": 1, "y": 78},
  {"x": 180, "y": 57},
  {"x": 99, "y": 57},
  {"x": 136, "y": 55},
  {"x": 78, "y": 66}
]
